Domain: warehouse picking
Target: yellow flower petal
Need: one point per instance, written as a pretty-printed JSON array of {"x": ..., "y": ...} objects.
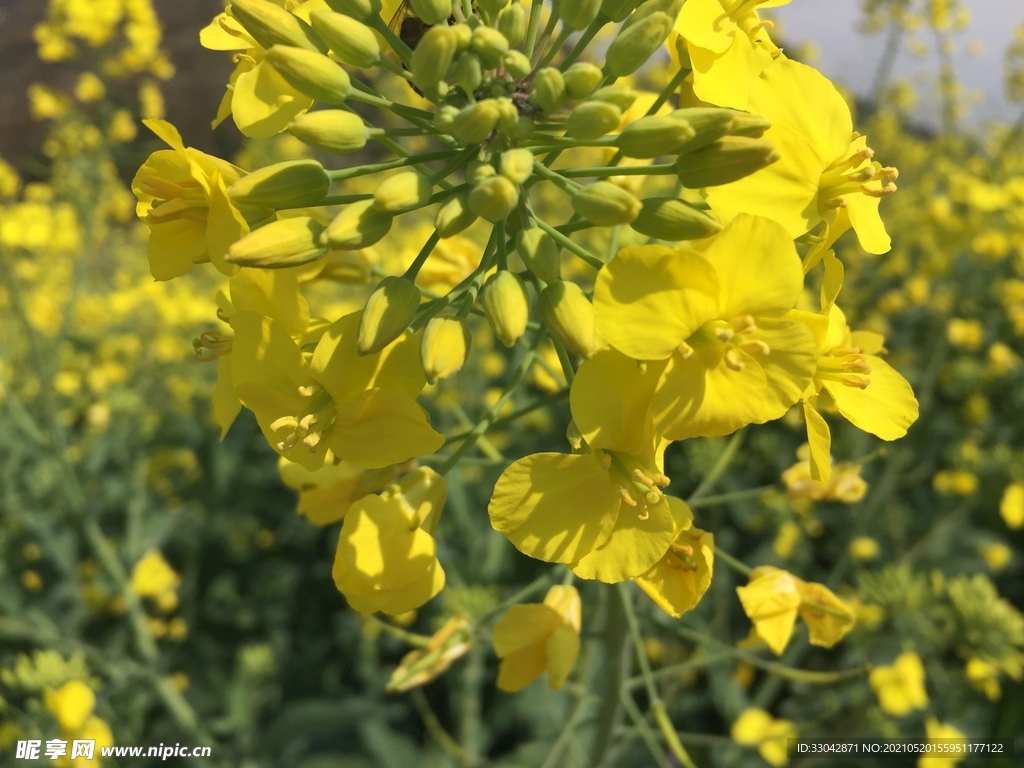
[
  {"x": 725, "y": 79},
  {"x": 819, "y": 439},
  {"x": 274, "y": 293},
  {"x": 175, "y": 247},
  {"x": 224, "y": 226},
  {"x": 226, "y": 404},
  {"x": 789, "y": 366},
  {"x": 562, "y": 649},
  {"x": 215, "y": 37},
  {"x": 522, "y": 667},
  {"x": 886, "y": 408},
  {"x": 379, "y": 427},
  {"x": 705, "y": 23},
  {"x": 826, "y": 626},
  {"x": 263, "y": 103},
  {"x": 671, "y": 583},
  {"x": 771, "y": 601}
]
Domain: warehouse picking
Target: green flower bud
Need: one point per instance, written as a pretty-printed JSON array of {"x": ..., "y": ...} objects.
[
  {"x": 279, "y": 244},
  {"x": 358, "y": 225},
  {"x": 454, "y": 216},
  {"x": 388, "y": 312},
  {"x": 581, "y": 79},
  {"x": 709, "y": 124},
  {"x": 577, "y": 14},
  {"x": 463, "y": 35},
  {"x": 666, "y": 218},
  {"x": 539, "y": 253},
  {"x": 617, "y": 10},
  {"x": 270, "y": 24},
  {"x": 548, "y": 89},
  {"x": 670, "y": 8},
  {"x": 291, "y": 184},
  {"x": 512, "y": 24},
  {"x": 592, "y": 120},
  {"x": 490, "y": 44},
  {"x": 444, "y": 117},
  {"x": 726, "y": 160},
  {"x": 606, "y": 204},
  {"x": 490, "y": 8},
  {"x": 310, "y": 73},
  {"x": 493, "y": 198},
  {"x": 746, "y": 124},
  {"x": 653, "y": 136},
  {"x": 432, "y": 11},
  {"x": 332, "y": 130},
  {"x": 569, "y": 316},
  {"x": 474, "y": 123},
  {"x": 403, "y": 192},
  {"x": 433, "y": 56},
  {"x": 508, "y": 116},
  {"x": 524, "y": 128},
  {"x": 469, "y": 73},
  {"x": 517, "y": 165},
  {"x": 352, "y": 41},
  {"x": 517, "y": 64},
  {"x": 506, "y": 306},
  {"x": 635, "y": 44},
  {"x": 477, "y": 170},
  {"x": 357, "y": 9},
  {"x": 444, "y": 348},
  {"x": 620, "y": 94}
]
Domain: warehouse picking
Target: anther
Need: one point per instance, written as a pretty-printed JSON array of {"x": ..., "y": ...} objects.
[
  {"x": 307, "y": 421},
  {"x": 311, "y": 390},
  {"x": 744, "y": 324},
  {"x": 685, "y": 350},
  {"x": 756, "y": 345},
  {"x": 643, "y": 515},
  {"x": 640, "y": 477},
  {"x": 661, "y": 480},
  {"x": 285, "y": 422},
  {"x": 626, "y": 496},
  {"x": 686, "y": 549},
  {"x": 732, "y": 361},
  {"x": 606, "y": 462},
  {"x": 860, "y": 382},
  {"x": 724, "y": 334},
  {"x": 835, "y": 202},
  {"x": 312, "y": 440},
  {"x": 222, "y": 316},
  {"x": 888, "y": 189}
]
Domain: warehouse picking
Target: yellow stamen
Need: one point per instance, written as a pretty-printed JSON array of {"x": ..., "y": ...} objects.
[
  {"x": 685, "y": 350},
  {"x": 626, "y": 496},
  {"x": 732, "y": 361}
]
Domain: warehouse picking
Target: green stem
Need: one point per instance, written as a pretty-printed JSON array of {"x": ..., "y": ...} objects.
[
  {"x": 422, "y": 256},
  {"x": 344, "y": 174},
  {"x": 603, "y": 171},
  {"x": 726, "y": 498},
  {"x": 569, "y": 187},
  {"x": 564, "y": 360},
  {"x": 534, "y": 25},
  {"x": 588, "y": 34},
  {"x": 615, "y": 658},
  {"x": 554, "y": 756},
  {"x": 413, "y": 639},
  {"x": 433, "y": 725},
  {"x": 541, "y": 582},
  {"x": 556, "y": 46},
  {"x": 472, "y": 680},
  {"x": 546, "y": 34},
  {"x": 724, "y": 460},
  {"x": 733, "y": 563},
  {"x": 385, "y": 63},
  {"x": 568, "y": 244},
  {"x": 543, "y": 402},
  {"x": 648, "y": 736},
  {"x": 396, "y": 43}
]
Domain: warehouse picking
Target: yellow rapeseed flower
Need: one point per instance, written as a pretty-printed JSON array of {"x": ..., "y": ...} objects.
[
  {"x": 756, "y": 728},
  {"x": 531, "y": 639},
  {"x": 900, "y": 686},
  {"x": 983, "y": 674},
  {"x": 1011, "y": 508},
  {"x": 996, "y": 556},
  {"x": 864, "y": 548},
  {"x": 679, "y": 580},
  {"x": 153, "y": 577},
  {"x": 326, "y": 494},
  {"x": 965, "y": 334},
  {"x": 71, "y": 704},
  {"x": 935, "y": 730}
]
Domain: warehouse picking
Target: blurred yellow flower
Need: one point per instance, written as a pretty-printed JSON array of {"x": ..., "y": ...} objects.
[
  {"x": 71, "y": 704},
  {"x": 1001, "y": 359},
  {"x": 679, "y": 580},
  {"x": 89, "y": 88},
  {"x": 900, "y": 686},
  {"x": 756, "y": 728},
  {"x": 936, "y": 730},
  {"x": 996, "y": 556},
  {"x": 153, "y": 577},
  {"x": 326, "y": 494},
  {"x": 531, "y": 639},
  {"x": 983, "y": 674},
  {"x": 786, "y": 539},
  {"x": 1011, "y": 508},
  {"x": 844, "y": 483},
  {"x": 957, "y": 482},
  {"x": 864, "y": 548},
  {"x": 965, "y": 334}
]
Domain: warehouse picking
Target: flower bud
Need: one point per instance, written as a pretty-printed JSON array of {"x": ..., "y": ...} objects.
[
  {"x": 473, "y": 124},
  {"x": 490, "y": 8},
  {"x": 746, "y": 124},
  {"x": 635, "y": 44},
  {"x": 508, "y": 114},
  {"x": 360, "y": 10},
  {"x": 620, "y": 94},
  {"x": 463, "y": 35},
  {"x": 279, "y": 244},
  {"x": 454, "y": 216},
  {"x": 444, "y": 348},
  {"x": 270, "y": 24},
  {"x": 517, "y": 64},
  {"x": 422, "y": 494},
  {"x": 388, "y": 312},
  {"x": 726, "y": 160},
  {"x": 432, "y": 11},
  {"x": 490, "y": 44},
  {"x": 517, "y": 165},
  {"x": 506, "y": 306},
  {"x": 548, "y": 89},
  {"x": 469, "y": 73},
  {"x": 617, "y": 10},
  {"x": 403, "y": 192},
  {"x": 433, "y": 56},
  {"x": 421, "y": 665},
  {"x": 332, "y": 130},
  {"x": 291, "y": 184},
  {"x": 358, "y": 226},
  {"x": 512, "y": 24},
  {"x": 709, "y": 124},
  {"x": 477, "y": 170},
  {"x": 666, "y": 218},
  {"x": 569, "y": 316},
  {"x": 351, "y": 41},
  {"x": 444, "y": 117},
  {"x": 592, "y": 120},
  {"x": 605, "y": 204},
  {"x": 581, "y": 79},
  {"x": 539, "y": 253},
  {"x": 577, "y": 14},
  {"x": 493, "y": 198},
  {"x": 670, "y": 8},
  {"x": 311, "y": 73},
  {"x": 653, "y": 136}
]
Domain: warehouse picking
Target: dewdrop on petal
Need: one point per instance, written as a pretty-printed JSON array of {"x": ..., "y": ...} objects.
[
  {"x": 357, "y": 226},
  {"x": 332, "y": 130},
  {"x": 605, "y": 204},
  {"x": 270, "y": 24},
  {"x": 592, "y": 120},
  {"x": 506, "y": 306},
  {"x": 569, "y": 315},
  {"x": 350, "y": 40},
  {"x": 445, "y": 347},
  {"x": 581, "y": 79},
  {"x": 388, "y": 312},
  {"x": 540, "y": 254},
  {"x": 667, "y": 218},
  {"x": 729, "y": 159},
  {"x": 311, "y": 73},
  {"x": 284, "y": 243},
  {"x": 291, "y": 184},
  {"x": 654, "y": 135},
  {"x": 404, "y": 192}
]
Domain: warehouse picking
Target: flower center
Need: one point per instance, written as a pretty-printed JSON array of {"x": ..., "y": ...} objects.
[
  {"x": 856, "y": 173},
  {"x": 721, "y": 340},
  {"x": 638, "y": 485},
  {"x": 848, "y": 366},
  {"x": 311, "y": 425}
]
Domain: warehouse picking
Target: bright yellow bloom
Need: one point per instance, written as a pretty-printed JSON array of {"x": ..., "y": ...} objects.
[
  {"x": 534, "y": 638},
  {"x": 326, "y": 494},
  {"x": 1011, "y": 508},
  {"x": 959, "y": 482},
  {"x": 824, "y": 165},
  {"x": 717, "y": 317},
  {"x": 844, "y": 484},
  {"x": 679, "y": 580},
  {"x": 153, "y": 577},
  {"x": 1001, "y": 359},
  {"x": 864, "y": 548},
  {"x": 387, "y": 557},
  {"x": 936, "y": 730},
  {"x": 900, "y": 687},
  {"x": 996, "y": 556},
  {"x": 983, "y": 674},
  {"x": 71, "y": 704},
  {"x": 600, "y": 510},
  {"x": 756, "y": 728},
  {"x": 773, "y": 598},
  {"x": 965, "y": 334}
]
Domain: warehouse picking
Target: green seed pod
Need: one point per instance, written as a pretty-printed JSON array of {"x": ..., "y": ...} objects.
[
  {"x": 454, "y": 216},
  {"x": 474, "y": 123},
  {"x": 469, "y": 73},
  {"x": 666, "y": 218},
  {"x": 592, "y": 120},
  {"x": 494, "y": 198},
  {"x": 581, "y": 79},
  {"x": 445, "y": 347},
  {"x": 270, "y": 24},
  {"x": 490, "y": 44},
  {"x": 617, "y": 10},
  {"x": 548, "y": 90},
  {"x": 360, "y": 10},
  {"x": 709, "y": 124},
  {"x": 512, "y": 24},
  {"x": 358, "y": 225},
  {"x": 279, "y": 244},
  {"x": 332, "y": 130},
  {"x": 517, "y": 165},
  {"x": 506, "y": 306},
  {"x": 433, "y": 56},
  {"x": 388, "y": 312},
  {"x": 291, "y": 184},
  {"x": 444, "y": 117},
  {"x": 310, "y": 73},
  {"x": 636, "y": 44},
  {"x": 726, "y": 160},
  {"x": 569, "y": 316},
  {"x": 606, "y": 204},
  {"x": 577, "y": 14},
  {"x": 403, "y": 192},
  {"x": 540, "y": 254},
  {"x": 517, "y": 64},
  {"x": 352, "y": 41},
  {"x": 432, "y": 11},
  {"x": 621, "y": 95},
  {"x": 653, "y": 136}
]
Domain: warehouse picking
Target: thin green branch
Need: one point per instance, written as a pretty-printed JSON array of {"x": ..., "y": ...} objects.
[{"x": 724, "y": 460}]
